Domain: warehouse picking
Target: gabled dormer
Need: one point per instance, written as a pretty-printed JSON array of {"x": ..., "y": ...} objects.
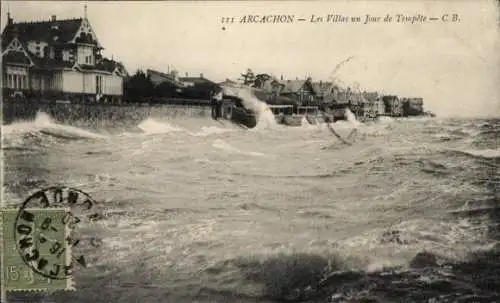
[
  {"x": 87, "y": 44},
  {"x": 86, "y": 35},
  {"x": 15, "y": 53}
]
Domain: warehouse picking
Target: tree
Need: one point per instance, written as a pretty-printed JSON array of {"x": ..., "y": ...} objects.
[
  {"x": 260, "y": 79},
  {"x": 248, "y": 77},
  {"x": 167, "y": 89},
  {"x": 138, "y": 87}
]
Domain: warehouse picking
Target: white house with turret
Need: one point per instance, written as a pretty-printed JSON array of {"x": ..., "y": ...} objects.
[{"x": 58, "y": 59}]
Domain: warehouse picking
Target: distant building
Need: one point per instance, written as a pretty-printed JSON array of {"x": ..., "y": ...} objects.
[
  {"x": 336, "y": 96},
  {"x": 301, "y": 91},
  {"x": 380, "y": 106},
  {"x": 373, "y": 105},
  {"x": 191, "y": 81},
  {"x": 324, "y": 89},
  {"x": 158, "y": 78},
  {"x": 413, "y": 106},
  {"x": 58, "y": 59},
  {"x": 393, "y": 106}
]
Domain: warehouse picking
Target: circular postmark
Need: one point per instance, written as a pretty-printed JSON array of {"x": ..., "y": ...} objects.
[{"x": 45, "y": 230}]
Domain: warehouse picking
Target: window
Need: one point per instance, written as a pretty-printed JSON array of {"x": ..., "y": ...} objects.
[{"x": 98, "y": 82}]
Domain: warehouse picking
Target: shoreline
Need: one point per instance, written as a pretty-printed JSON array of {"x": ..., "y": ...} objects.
[{"x": 65, "y": 111}]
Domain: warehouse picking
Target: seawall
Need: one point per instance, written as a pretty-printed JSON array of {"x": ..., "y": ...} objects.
[{"x": 99, "y": 114}]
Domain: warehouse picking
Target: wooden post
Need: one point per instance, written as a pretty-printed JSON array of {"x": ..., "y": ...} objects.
[
  {"x": 3, "y": 290},
  {"x": 3, "y": 284}
]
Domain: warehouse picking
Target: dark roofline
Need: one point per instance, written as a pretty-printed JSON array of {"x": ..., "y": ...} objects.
[
  {"x": 165, "y": 75},
  {"x": 13, "y": 24},
  {"x": 46, "y": 21},
  {"x": 194, "y": 78}
]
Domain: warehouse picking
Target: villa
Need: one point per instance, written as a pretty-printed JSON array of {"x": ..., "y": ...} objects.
[{"x": 58, "y": 59}]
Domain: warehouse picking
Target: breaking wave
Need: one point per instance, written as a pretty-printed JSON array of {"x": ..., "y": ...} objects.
[
  {"x": 44, "y": 125},
  {"x": 266, "y": 119}
]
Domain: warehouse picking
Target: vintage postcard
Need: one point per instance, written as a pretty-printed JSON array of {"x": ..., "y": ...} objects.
[{"x": 250, "y": 151}]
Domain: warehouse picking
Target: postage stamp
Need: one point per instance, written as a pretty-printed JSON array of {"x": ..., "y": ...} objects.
[
  {"x": 39, "y": 238},
  {"x": 36, "y": 254}
]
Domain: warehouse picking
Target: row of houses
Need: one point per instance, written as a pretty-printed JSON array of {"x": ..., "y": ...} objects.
[
  {"x": 62, "y": 59},
  {"x": 308, "y": 92}
]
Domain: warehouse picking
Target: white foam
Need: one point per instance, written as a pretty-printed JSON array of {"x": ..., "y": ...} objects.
[
  {"x": 304, "y": 123},
  {"x": 151, "y": 126},
  {"x": 486, "y": 153},
  {"x": 385, "y": 119},
  {"x": 221, "y": 144},
  {"x": 211, "y": 130},
  {"x": 351, "y": 118},
  {"x": 43, "y": 122},
  {"x": 266, "y": 119}
]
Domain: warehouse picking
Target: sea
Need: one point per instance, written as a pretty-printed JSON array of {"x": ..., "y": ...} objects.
[{"x": 199, "y": 210}]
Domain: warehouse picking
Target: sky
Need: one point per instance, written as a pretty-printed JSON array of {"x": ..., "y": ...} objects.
[{"x": 454, "y": 66}]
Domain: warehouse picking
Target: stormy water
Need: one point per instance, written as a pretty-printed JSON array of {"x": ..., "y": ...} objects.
[{"x": 197, "y": 210}]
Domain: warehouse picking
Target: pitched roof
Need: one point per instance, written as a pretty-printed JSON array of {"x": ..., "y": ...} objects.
[
  {"x": 227, "y": 82},
  {"x": 16, "y": 57},
  {"x": 15, "y": 52},
  {"x": 338, "y": 95},
  {"x": 293, "y": 86},
  {"x": 158, "y": 78},
  {"x": 110, "y": 65},
  {"x": 46, "y": 31},
  {"x": 105, "y": 64},
  {"x": 323, "y": 88},
  {"x": 196, "y": 80}
]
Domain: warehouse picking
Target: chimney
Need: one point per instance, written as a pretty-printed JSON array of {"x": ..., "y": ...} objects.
[
  {"x": 186, "y": 75},
  {"x": 281, "y": 77},
  {"x": 53, "y": 18},
  {"x": 201, "y": 75},
  {"x": 10, "y": 21}
]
